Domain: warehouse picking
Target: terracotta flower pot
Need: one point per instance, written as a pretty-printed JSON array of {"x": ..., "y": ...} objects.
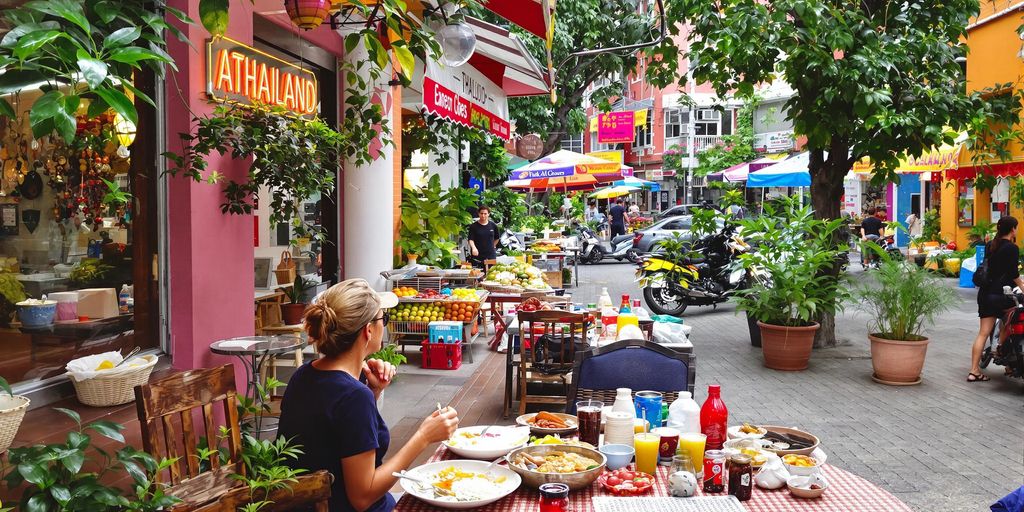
[
  {"x": 291, "y": 314},
  {"x": 787, "y": 348},
  {"x": 897, "y": 363}
]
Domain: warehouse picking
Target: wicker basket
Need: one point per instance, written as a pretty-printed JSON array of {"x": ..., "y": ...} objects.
[
  {"x": 500, "y": 288},
  {"x": 117, "y": 389},
  {"x": 12, "y": 411}
]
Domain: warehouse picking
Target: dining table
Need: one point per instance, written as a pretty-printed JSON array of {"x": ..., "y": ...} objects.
[{"x": 846, "y": 493}]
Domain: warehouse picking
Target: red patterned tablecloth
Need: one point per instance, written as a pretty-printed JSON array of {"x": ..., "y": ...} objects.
[{"x": 846, "y": 493}]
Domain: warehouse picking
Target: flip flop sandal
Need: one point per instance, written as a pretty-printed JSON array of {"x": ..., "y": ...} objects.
[{"x": 974, "y": 377}]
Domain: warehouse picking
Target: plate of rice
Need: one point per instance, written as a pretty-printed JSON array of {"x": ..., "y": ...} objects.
[{"x": 470, "y": 486}]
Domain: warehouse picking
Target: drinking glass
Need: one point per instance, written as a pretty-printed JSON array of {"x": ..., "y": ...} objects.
[
  {"x": 589, "y": 414},
  {"x": 692, "y": 444},
  {"x": 682, "y": 462},
  {"x": 646, "y": 446}
]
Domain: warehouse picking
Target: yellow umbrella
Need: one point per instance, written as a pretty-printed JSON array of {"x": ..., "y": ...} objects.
[{"x": 610, "y": 192}]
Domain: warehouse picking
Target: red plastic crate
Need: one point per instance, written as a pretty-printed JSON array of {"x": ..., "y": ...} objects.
[{"x": 441, "y": 356}]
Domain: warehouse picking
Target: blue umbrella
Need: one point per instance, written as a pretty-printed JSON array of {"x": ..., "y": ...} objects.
[{"x": 637, "y": 182}]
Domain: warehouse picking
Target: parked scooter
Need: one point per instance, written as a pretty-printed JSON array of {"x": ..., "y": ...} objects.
[
  {"x": 593, "y": 249},
  {"x": 1011, "y": 354},
  {"x": 870, "y": 256},
  {"x": 508, "y": 241}
]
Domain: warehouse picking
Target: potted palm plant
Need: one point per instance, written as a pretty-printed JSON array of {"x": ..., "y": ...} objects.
[
  {"x": 790, "y": 280},
  {"x": 291, "y": 314},
  {"x": 901, "y": 301}
]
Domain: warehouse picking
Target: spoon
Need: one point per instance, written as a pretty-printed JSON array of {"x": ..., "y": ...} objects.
[{"x": 129, "y": 356}]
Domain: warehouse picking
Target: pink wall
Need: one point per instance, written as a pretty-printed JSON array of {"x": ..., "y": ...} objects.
[{"x": 211, "y": 254}]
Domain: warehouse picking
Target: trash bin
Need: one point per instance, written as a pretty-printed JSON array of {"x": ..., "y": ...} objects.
[{"x": 970, "y": 266}]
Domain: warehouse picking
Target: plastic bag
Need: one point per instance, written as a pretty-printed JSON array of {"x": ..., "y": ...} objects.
[
  {"x": 85, "y": 368},
  {"x": 970, "y": 264},
  {"x": 666, "y": 332},
  {"x": 667, "y": 318}
]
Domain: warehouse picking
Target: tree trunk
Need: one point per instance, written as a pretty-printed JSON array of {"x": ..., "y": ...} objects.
[{"x": 827, "y": 177}]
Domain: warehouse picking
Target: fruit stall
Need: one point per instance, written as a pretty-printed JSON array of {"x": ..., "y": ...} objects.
[
  {"x": 515, "y": 277},
  {"x": 554, "y": 257}
]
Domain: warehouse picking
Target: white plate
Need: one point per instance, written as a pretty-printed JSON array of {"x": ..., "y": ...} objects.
[
  {"x": 500, "y": 440},
  {"x": 427, "y": 471},
  {"x": 572, "y": 421},
  {"x": 734, "y": 433}
]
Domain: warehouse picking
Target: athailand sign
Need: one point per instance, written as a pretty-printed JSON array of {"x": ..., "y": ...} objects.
[{"x": 237, "y": 73}]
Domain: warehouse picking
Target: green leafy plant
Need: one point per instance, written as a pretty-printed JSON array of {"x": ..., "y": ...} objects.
[
  {"x": 115, "y": 196},
  {"x": 789, "y": 287},
  {"x": 389, "y": 354},
  {"x": 704, "y": 221},
  {"x": 901, "y": 299},
  {"x": 297, "y": 290},
  {"x": 56, "y": 481},
  {"x": 672, "y": 158},
  {"x": 981, "y": 232},
  {"x": 431, "y": 218},
  {"x": 11, "y": 289},
  {"x": 83, "y": 50},
  {"x": 931, "y": 229},
  {"x": 536, "y": 223},
  {"x": 293, "y": 157},
  {"x": 89, "y": 270},
  {"x": 267, "y": 469},
  {"x": 731, "y": 149},
  {"x": 507, "y": 206}
]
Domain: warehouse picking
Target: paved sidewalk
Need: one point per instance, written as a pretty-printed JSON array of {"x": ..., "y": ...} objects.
[{"x": 944, "y": 445}]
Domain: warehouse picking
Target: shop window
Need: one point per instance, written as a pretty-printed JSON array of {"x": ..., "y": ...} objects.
[
  {"x": 573, "y": 143},
  {"x": 965, "y": 205},
  {"x": 70, "y": 232},
  {"x": 1000, "y": 199},
  {"x": 675, "y": 123},
  {"x": 707, "y": 122},
  {"x": 642, "y": 136}
]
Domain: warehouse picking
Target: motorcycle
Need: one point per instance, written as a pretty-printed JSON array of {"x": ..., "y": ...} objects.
[
  {"x": 593, "y": 249},
  {"x": 1011, "y": 354},
  {"x": 705, "y": 279},
  {"x": 886, "y": 245}
]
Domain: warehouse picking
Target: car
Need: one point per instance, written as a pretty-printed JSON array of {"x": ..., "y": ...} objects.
[
  {"x": 677, "y": 210},
  {"x": 646, "y": 240}
]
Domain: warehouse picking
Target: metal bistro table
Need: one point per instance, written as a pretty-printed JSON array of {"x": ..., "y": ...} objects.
[{"x": 253, "y": 352}]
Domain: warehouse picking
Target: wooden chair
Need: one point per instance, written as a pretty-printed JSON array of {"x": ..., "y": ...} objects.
[
  {"x": 512, "y": 358},
  {"x": 636, "y": 364},
  {"x": 311, "y": 491},
  {"x": 548, "y": 344},
  {"x": 166, "y": 408}
]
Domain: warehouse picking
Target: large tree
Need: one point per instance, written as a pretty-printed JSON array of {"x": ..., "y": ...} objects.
[
  {"x": 583, "y": 25},
  {"x": 872, "y": 78}
]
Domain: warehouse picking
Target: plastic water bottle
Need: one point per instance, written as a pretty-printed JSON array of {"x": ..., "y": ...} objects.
[
  {"x": 605, "y": 301},
  {"x": 684, "y": 414},
  {"x": 122, "y": 300}
]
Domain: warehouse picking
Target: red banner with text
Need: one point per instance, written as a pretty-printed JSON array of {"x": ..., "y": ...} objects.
[{"x": 439, "y": 100}]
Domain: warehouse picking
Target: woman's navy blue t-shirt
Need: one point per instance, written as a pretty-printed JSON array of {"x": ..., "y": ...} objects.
[{"x": 333, "y": 416}]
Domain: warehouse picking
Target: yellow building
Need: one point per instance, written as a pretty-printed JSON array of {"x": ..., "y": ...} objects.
[{"x": 994, "y": 58}]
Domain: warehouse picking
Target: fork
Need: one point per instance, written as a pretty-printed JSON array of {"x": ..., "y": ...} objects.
[{"x": 423, "y": 483}]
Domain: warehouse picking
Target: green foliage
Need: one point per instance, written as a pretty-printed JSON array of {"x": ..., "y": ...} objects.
[
  {"x": 507, "y": 207},
  {"x": 931, "y": 230},
  {"x": 11, "y": 288},
  {"x": 5, "y": 386},
  {"x": 901, "y": 299},
  {"x": 432, "y": 218},
  {"x": 536, "y": 223},
  {"x": 89, "y": 270},
  {"x": 981, "y": 232},
  {"x": 83, "y": 50},
  {"x": 672, "y": 158},
  {"x": 297, "y": 290},
  {"x": 55, "y": 480},
  {"x": 731, "y": 149},
  {"x": 293, "y": 157},
  {"x": 703, "y": 222},
  {"x": 790, "y": 285},
  {"x": 115, "y": 196},
  {"x": 389, "y": 354},
  {"x": 581, "y": 24},
  {"x": 267, "y": 469}
]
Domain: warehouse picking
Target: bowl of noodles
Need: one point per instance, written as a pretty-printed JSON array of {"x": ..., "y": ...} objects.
[
  {"x": 576, "y": 466},
  {"x": 467, "y": 483}
]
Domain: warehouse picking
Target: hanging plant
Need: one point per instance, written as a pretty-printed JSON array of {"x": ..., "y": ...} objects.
[
  {"x": 82, "y": 49},
  {"x": 293, "y": 157}
]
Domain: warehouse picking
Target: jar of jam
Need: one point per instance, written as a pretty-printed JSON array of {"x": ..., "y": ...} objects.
[
  {"x": 554, "y": 498},
  {"x": 740, "y": 476}
]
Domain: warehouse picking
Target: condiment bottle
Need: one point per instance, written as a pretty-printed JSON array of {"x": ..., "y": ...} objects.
[
  {"x": 714, "y": 418},
  {"x": 684, "y": 414},
  {"x": 605, "y": 301},
  {"x": 554, "y": 497},
  {"x": 740, "y": 476}
]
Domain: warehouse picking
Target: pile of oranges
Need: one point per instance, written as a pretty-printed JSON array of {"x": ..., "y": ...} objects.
[
  {"x": 405, "y": 291},
  {"x": 461, "y": 311}
]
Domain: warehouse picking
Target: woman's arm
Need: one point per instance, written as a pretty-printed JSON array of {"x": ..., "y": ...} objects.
[{"x": 365, "y": 484}]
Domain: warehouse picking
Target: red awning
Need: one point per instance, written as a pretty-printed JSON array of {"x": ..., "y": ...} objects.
[
  {"x": 528, "y": 14},
  {"x": 998, "y": 170},
  {"x": 505, "y": 60}
]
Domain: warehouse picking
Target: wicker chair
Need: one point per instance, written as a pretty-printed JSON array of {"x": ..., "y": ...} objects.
[{"x": 636, "y": 364}]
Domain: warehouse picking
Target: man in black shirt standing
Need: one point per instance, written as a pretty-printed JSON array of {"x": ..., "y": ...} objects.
[
  {"x": 870, "y": 230},
  {"x": 619, "y": 218},
  {"x": 483, "y": 238}
]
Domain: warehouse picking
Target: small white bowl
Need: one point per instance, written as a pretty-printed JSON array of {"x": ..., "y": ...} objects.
[
  {"x": 800, "y": 486},
  {"x": 801, "y": 470}
]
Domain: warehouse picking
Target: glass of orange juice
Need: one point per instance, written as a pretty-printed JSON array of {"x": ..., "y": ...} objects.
[
  {"x": 646, "y": 445},
  {"x": 692, "y": 444}
]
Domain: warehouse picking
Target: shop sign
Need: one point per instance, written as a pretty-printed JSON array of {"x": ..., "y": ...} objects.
[
  {"x": 530, "y": 146},
  {"x": 662, "y": 174},
  {"x": 237, "y": 73},
  {"x": 852, "y": 196},
  {"x": 615, "y": 127},
  {"x": 774, "y": 142},
  {"x": 612, "y": 156},
  {"x": 464, "y": 95}
]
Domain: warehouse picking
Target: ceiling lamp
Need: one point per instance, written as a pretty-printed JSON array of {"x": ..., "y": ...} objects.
[
  {"x": 125, "y": 131},
  {"x": 458, "y": 42},
  {"x": 308, "y": 14}
]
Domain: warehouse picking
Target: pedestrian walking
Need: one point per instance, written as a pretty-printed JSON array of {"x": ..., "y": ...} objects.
[
  {"x": 1003, "y": 259},
  {"x": 619, "y": 218}
]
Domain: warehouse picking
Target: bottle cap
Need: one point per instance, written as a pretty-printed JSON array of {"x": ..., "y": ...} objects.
[
  {"x": 554, "y": 490},
  {"x": 685, "y": 394},
  {"x": 714, "y": 389}
]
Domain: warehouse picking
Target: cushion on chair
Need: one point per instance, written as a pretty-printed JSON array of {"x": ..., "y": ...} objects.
[{"x": 636, "y": 368}]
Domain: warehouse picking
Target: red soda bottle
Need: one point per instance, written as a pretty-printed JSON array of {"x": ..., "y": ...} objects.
[{"x": 714, "y": 418}]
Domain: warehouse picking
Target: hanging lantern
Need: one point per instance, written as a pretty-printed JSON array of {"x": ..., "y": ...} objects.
[
  {"x": 125, "y": 131},
  {"x": 307, "y": 14}
]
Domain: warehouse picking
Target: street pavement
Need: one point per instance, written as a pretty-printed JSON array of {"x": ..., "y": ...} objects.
[{"x": 943, "y": 445}]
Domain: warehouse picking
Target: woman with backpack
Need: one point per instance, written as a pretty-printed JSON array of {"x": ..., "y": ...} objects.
[{"x": 1000, "y": 268}]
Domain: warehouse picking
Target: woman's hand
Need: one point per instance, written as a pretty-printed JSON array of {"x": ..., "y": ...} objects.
[
  {"x": 440, "y": 425},
  {"x": 378, "y": 375}
]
